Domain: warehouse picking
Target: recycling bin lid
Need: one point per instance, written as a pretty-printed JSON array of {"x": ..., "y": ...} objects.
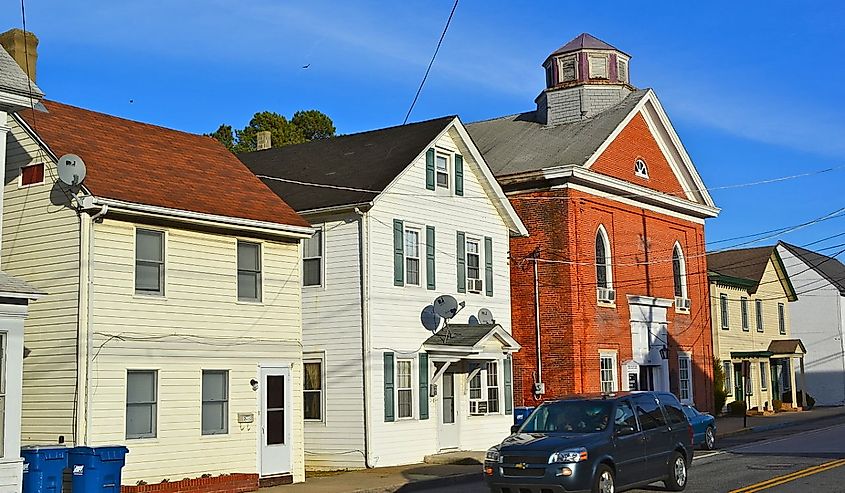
[{"x": 36, "y": 448}]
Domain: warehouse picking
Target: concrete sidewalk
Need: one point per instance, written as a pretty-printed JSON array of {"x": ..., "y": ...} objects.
[{"x": 732, "y": 425}]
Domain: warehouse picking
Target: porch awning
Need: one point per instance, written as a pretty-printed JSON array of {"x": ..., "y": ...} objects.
[
  {"x": 750, "y": 354},
  {"x": 460, "y": 340},
  {"x": 791, "y": 347}
]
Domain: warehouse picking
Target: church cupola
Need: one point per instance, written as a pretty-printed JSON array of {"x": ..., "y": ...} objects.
[{"x": 583, "y": 78}]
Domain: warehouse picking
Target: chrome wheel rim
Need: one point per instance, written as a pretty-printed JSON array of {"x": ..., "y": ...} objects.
[
  {"x": 606, "y": 482},
  {"x": 709, "y": 439},
  {"x": 680, "y": 471}
]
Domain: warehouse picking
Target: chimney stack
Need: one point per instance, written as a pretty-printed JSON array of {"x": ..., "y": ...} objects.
[
  {"x": 262, "y": 140},
  {"x": 23, "y": 47}
]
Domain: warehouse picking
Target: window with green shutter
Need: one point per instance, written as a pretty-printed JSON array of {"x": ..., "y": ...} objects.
[
  {"x": 459, "y": 174},
  {"x": 429, "y": 169},
  {"x": 430, "y": 270},
  {"x": 389, "y": 413},
  {"x": 488, "y": 265},
  {"x": 461, "y": 262},
  {"x": 508, "y": 385},
  {"x": 423, "y": 385},
  {"x": 398, "y": 253}
]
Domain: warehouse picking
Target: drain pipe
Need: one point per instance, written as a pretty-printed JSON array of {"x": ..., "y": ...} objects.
[
  {"x": 539, "y": 387},
  {"x": 363, "y": 258}
]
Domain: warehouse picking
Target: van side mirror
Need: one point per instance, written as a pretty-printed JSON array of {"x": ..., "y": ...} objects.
[
  {"x": 623, "y": 430},
  {"x": 514, "y": 429}
]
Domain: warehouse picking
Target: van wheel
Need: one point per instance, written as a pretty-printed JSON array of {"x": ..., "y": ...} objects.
[
  {"x": 676, "y": 478},
  {"x": 604, "y": 480},
  {"x": 709, "y": 438}
]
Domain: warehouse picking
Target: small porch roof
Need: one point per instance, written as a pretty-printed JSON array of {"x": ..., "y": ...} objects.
[
  {"x": 750, "y": 354},
  {"x": 791, "y": 347},
  {"x": 470, "y": 340}
]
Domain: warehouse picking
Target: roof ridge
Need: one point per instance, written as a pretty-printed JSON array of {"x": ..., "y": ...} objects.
[{"x": 502, "y": 117}]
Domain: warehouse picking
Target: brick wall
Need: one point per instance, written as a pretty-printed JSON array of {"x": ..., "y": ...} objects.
[{"x": 228, "y": 483}]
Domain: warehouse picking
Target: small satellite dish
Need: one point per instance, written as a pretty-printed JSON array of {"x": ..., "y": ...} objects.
[
  {"x": 472, "y": 320},
  {"x": 430, "y": 319},
  {"x": 446, "y": 306},
  {"x": 71, "y": 169},
  {"x": 485, "y": 317}
]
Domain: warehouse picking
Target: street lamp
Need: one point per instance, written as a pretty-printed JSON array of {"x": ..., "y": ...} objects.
[{"x": 664, "y": 352}]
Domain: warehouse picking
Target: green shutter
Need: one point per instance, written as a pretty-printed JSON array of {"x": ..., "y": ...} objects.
[
  {"x": 459, "y": 174},
  {"x": 423, "y": 386},
  {"x": 388, "y": 388},
  {"x": 429, "y": 169},
  {"x": 488, "y": 265},
  {"x": 398, "y": 253},
  {"x": 508, "y": 386},
  {"x": 462, "y": 261},
  {"x": 430, "y": 271}
]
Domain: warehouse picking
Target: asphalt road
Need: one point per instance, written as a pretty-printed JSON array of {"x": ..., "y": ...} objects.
[{"x": 806, "y": 458}]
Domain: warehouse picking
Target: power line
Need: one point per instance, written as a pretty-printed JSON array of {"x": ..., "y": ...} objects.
[{"x": 430, "y": 63}]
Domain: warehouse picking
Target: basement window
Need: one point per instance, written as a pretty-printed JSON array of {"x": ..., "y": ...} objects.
[{"x": 32, "y": 175}]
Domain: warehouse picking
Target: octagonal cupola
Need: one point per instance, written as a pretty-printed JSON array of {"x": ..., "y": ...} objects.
[{"x": 583, "y": 77}]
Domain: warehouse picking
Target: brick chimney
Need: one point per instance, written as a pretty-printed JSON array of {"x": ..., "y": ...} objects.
[
  {"x": 23, "y": 47},
  {"x": 262, "y": 140}
]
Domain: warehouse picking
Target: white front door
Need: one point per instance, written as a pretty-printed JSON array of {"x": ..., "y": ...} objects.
[
  {"x": 276, "y": 417},
  {"x": 447, "y": 429}
]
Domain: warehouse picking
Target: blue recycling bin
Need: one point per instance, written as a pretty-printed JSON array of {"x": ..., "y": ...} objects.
[
  {"x": 97, "y": 469},
  {"x": 43, "y": 466},
  {"x": 520, "y": 413}
]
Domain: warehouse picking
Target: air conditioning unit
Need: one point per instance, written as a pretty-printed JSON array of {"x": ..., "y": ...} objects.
[
  {"x": 682, "y": 304},
  {"x": 475, "y": 285},
  {"x": 606, "y": 295}
]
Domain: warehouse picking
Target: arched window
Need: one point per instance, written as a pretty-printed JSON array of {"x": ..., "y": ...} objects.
[
  {"x": 640, "y": 168},
  {"x": 679, "y": 271},
  {"x": 604, "y": 276}
]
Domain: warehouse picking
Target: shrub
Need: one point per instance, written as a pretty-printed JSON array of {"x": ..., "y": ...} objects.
[
  {"x": 777, "y": 405},
  {"x": 737, "y": 408},
  {"x": 719, "y": 393}
]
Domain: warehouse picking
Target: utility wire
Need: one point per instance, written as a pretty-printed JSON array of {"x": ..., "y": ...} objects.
[{"x": 439, "y": 42}]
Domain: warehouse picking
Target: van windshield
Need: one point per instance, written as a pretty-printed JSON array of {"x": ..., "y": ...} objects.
[{"x": 587, "y": 416}]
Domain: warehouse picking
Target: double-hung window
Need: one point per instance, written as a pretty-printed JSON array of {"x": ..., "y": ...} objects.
[
  {"x": 313, "y": 389},
  {"x": 441, "y": 168},
  {"x": 781, "y": 319},
  {"x": 404, "y": 387},
  {"x": 249, "y": 271},
  {"x": 473, "y": 265},
  {"x": 607, "y": 372},
  {"x": 685, "y": 377},
  {"x": 759, "y": 309},
  {"x": 727, "y": 367},
  {"x": 484, "y": 390},
  {"x": 149, "y": 262},
  {"x": 412, "y": 257},
  {"x": 312, "y": 260},
  {"x": 764, "y": 376},
  {"x": 141, "y": 403},
  {"x": 723, "y": 305},
  {"x": 743, "y": 306},
  {"x": 215, "y": 402}
]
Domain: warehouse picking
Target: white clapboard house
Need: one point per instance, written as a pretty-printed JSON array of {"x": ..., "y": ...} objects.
[{"x": 403, "y": 215}]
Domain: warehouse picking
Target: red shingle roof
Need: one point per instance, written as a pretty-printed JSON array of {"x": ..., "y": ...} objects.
[{"x": 146, "y": 164}]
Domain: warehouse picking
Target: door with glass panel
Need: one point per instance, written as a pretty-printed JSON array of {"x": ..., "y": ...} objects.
[
  {"x": 447, "y": 430},
  {"x": 276, "y": 416}
]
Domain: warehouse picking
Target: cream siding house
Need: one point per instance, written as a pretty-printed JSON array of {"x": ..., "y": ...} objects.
[
  {"x": 404, "y": 215},
  {"x": 172, "y": 323},
  {"x": 753, "y": 338}
]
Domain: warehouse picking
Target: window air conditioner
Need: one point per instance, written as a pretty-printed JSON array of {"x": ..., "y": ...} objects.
[{"x": 475, "y": 285}]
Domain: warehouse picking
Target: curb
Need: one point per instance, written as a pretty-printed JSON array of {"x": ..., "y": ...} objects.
[
  {"x": 424, "y": 483},
  {"x": 777, "y": 426}
]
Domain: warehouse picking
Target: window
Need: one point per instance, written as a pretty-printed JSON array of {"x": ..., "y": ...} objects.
[
  {"x": 412, "y": 257},
  {"x": 404, "y": 388},
  {"x": 781, "y": 319},
  {"x": 603, "y": 272},
  {"x": 312, "y": 260},
  {"x": 743, "y": 306},
  {"x": 640, "y": 168},
  {"x": 441, "y": 167},
  {"x": 484, "y": 390},
  {"x": 625, "y": 420},
  {"x": 764, "y": 376},
  {"x": 215, "y": 402},
  {"x": 621, "y": 69},
  {"x": 313, "y": 389},
  {"x": 598, "y": 66},
  {"x": 473, "y": 260},
  {"x": 141, "y": 403},
  {"x": 685, "y": 377},
  {"x": 758, "y": 304},
  {"x": 727, "y": 367},
  {"x": 32, "y": 175},
  {"x": 567, "y": 69},
  {"x": 608, "y": 372},
  {"x": 679, "y": 272},
  {"x": 249, "y": 271},
  {"x": 674, "y": 410},
  {"x": 649, "y": 412},
  {"x": 723, "y": 305},
  {"x": 149, "y": 262}
]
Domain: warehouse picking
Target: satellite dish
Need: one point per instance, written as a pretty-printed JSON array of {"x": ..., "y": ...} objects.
[
  {"x": 71, "y": 169},
  {"x": 472, "y": 320},
  {"x": 485, "y": 317},
  {"x": 447, "y": 306},
  {"x": 430, "y": 319}
]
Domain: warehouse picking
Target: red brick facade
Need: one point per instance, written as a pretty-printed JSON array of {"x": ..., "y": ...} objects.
[
  {"x": 227, "y": 483},
  {"x": 574, "y": 328}
]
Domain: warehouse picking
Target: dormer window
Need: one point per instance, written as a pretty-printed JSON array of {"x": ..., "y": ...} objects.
[
  {"x": 598, "y": 66},
  {"x": 621, "y": 70},
  {"x": 567, "y": 69},
  {"x": 640, "y": 168},
  {"x": 442, "y": 170}
]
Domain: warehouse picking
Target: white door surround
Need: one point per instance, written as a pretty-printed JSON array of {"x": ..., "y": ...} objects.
[
  {"x": 650, "y": 334},
  {"x": 275, "y": 437},
  {"x": 448, "y": 436}
]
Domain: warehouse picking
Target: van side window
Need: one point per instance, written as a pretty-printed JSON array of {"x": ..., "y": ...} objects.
[
  {"x": 675, "y": 413},
  {"x": 649, "y": 412},
  {"x": 625, "y": 418}
]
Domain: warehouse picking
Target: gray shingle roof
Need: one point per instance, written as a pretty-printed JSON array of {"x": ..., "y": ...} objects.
[
  {"x": 459, "y": 335},
  {"x": 9, "y": 284},
  {"x": 828, "y": 267},
  {"x": 519, "y": 143},
  {"x": 13, "y": 79}
]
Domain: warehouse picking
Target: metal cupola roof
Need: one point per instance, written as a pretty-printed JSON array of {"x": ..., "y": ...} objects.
[{"x": 585, "y": 41}]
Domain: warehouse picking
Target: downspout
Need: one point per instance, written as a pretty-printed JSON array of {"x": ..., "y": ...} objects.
[
  {"x": 87, "y": 229},
  {"x": 363, "y": 256},
  {"x": 539, "y": 388}
]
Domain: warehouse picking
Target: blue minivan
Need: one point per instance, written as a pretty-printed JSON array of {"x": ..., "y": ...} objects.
[{"x": 600, "y": 443}]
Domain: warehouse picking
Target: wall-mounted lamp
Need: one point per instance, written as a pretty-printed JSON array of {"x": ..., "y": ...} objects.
[
  {"x": 664, "y": 352},
  {"x": 254, "y": 384}
]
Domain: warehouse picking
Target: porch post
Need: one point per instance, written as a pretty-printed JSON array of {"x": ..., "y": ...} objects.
[
  {"x": 803, "y": 383},
  {"x": 792, "y": 382}
]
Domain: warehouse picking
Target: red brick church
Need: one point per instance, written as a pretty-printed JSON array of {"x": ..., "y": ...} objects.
[{"x": 610, "y": 290}]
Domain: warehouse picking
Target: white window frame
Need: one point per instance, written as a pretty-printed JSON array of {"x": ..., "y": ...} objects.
[
  {"x": 608, "y": 259},
  {"x": 758, "y": 315},
  {"x": 321, "y": 360},
  {"x": 162, "y": 293},
  {"x": 322, "y": 230},
  {"x": 614, "y": 382},
  {"x": 641, "y": 168},
  {"x": 225, "y": 401},
  {"x": 606, "y": 58},
  {"x": 728, "y": 368},
  {"x": 43, "y": 175},
  {"x": 478, "y": 243},
  {"x": 781, "y": 319},
  {"x": 484, "y": 375},
  {"x": 743, "y": 308},
  {"x": 687, "y": 357},
  {"x": 724, "y": 313},
  {"x": 260, "y": 271},
  {"x": 406, "y": 256},
  {"x": 448, "y": 157},
  {"x": 764, "y": 376},
  {"x": 154, "y": 403},
  {"x": 682, "y": 267},
  {"x": 560, "y": 61},
  {"x": 411, "y": 390}
]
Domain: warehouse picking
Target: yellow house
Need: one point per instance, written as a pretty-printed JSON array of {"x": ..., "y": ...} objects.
[
  {"x": 750, "y": 293},
  {"x": 172, "y": 320}
]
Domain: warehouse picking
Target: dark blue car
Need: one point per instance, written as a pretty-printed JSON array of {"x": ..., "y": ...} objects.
[{"x": 703, "y": 427}]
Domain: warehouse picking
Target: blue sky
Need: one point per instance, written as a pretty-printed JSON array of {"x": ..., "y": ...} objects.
[{"x": 755, "y": 90}]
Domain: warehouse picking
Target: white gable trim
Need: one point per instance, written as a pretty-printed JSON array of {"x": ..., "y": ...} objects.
[{"x": 660, "y": 117}]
